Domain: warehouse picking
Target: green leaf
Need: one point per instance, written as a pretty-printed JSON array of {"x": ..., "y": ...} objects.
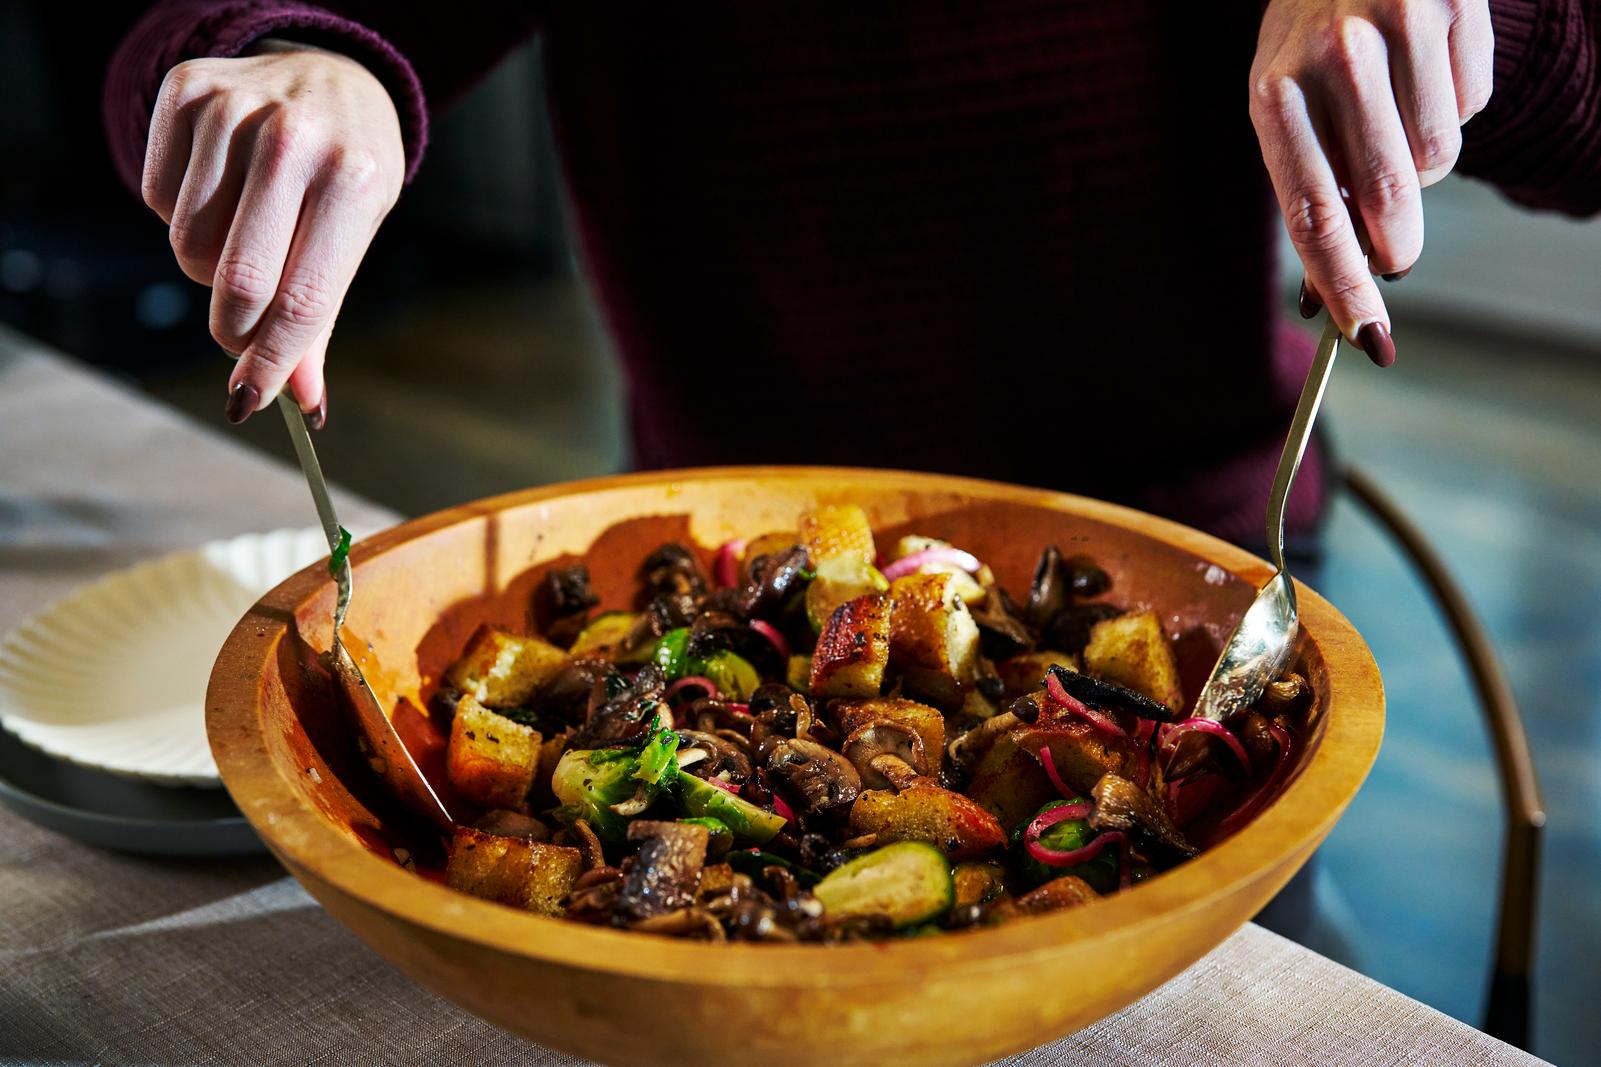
[{"x": 341, "y": 552}]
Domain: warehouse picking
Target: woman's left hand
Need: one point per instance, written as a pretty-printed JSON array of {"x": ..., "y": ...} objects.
[{"x": 1359, "y": 105}]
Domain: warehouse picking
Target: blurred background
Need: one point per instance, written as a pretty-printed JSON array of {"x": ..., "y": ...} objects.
[{"x": 469, "y": 361}]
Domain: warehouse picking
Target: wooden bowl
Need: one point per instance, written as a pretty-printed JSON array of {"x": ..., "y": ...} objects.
[{"x": 620, "y": 997}]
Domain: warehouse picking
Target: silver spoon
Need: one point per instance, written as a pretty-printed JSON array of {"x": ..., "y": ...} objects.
[
  {"x": 1259, "y": 648},
  {"x": 388, "y": 755}
]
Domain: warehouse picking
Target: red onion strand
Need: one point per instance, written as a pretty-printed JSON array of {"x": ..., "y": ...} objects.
[
  {"x": 693, "y": 680},
  {"x": 955, "y": 557},
  {"x": 725, "y": 568},
  {"x": 769, "y": 631},
  {"x": 1062, "y": 698},
  {"x": 1206, "y": 726}
]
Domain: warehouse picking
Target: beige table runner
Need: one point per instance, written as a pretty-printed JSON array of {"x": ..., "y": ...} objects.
[{"x": 107, "y": 958}]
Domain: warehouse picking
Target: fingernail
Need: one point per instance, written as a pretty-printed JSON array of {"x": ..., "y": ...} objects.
[
  {"x": 1309, "y": 306},
  {"x": 244, "y": 400},
  {"x": 1375, "y": 340},
  {"x": 319, "y": 418},
  {"x": 1397, "y": 275}
]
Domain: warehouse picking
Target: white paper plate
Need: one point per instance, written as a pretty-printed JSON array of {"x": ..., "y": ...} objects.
[{"x": 113, "y": 675}]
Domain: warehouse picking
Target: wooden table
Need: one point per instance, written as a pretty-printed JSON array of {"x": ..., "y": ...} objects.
[{"x": 107, "y": 957}]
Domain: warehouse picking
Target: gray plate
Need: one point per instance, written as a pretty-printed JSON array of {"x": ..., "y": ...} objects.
[{"x": 119, "y": 813}]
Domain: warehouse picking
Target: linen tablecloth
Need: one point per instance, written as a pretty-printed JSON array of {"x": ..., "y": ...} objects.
[{"x": 111, "y": 958}]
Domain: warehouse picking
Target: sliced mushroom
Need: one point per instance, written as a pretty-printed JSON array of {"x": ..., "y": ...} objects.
[
  {"x": 713, "y": 757},
  {"x": 966, "y": 750},
  {"x": 665, "y": 873},
  {"x": 891, "y": 739},
  {"x": 684, "y": 922},
  {"x": 588, "y": 843},
  {"x": 771, "y": 580},
  {"x": 1122, "y": 805},
  {"x": 818, "y": 777},
  {"x": 1002, "y": 629}
]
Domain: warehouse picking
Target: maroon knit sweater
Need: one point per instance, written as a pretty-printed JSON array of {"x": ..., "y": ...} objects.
[{"x": 1030, "y": 240}]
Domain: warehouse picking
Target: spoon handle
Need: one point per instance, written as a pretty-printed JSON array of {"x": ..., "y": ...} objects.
[
  {"x": 319, "y": 496},
  {"x": 1317, "y": 380}
]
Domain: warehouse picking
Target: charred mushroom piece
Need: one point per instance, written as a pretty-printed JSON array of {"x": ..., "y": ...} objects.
[
  {"x": 1122, "y": 805},
  {"x": 1002, "y": 630},
  {"x": 820, "y": 778},
  {"x": 588, "y": 843},
  {"x": 503, "y": 823},
  {"x": 771, "y": 579},
  {"x": 627, "y": 714},
  {"x": 865, "y": 745},
  {"x": 1070, "y": 630},
  {"x": 1050, "y": 591},
  {"x": 708, "y": 756},
  {"x": 666, "y": 872},
  {"x": 566, "y": 696},
  {"x": 715, "y": 632},
  {"x": 672, "y": 571},
  {"x": 562, "y": 603},
  {"x": 1088, "y": 579},
  {"x": 1109, "y": 696}
]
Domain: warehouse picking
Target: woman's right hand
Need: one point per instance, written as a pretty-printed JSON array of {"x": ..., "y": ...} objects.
[{"x": 273, "y": 172}]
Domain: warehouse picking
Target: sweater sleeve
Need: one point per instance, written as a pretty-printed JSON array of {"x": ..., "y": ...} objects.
[
  {"x": 1540, "y": 137},
  {"x": 425, "y": 59}
]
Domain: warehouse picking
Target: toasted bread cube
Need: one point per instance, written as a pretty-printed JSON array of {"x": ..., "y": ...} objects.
[
  {"x": 715, "y": 878},
  {"x": 948, "y": 821},
  {"x": 1025, "y": 673},
  {"x": 491, "y": 760},
  {"x": 502, "y": 670},
  {"x": 1069, "y": 891},
  {"x": 1081, "y": 754},
  {"x": 510, "y": 870},
  {"x": 933, "y": 637},
  {"x": 853, "y": 650},
  {"x": 1009, "y": 783},
  {"x": 1133, "y": 650},
  {"x": 978, "y": 883},
  {"x": 926, "y": 722},
  {"x": 837, "y": 530}
]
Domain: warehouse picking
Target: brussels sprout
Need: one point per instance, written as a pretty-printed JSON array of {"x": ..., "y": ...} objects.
[
  {"x": 1069, "y": 834},
  {"x": 608, "y": 786},
  {"x": 671, "y": 654},
  {"x": 731, "y": 673},
  {"x": 738, "y": 814}
]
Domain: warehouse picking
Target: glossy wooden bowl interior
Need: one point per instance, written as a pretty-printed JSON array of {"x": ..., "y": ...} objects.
[{"x": 628, "y": 998}]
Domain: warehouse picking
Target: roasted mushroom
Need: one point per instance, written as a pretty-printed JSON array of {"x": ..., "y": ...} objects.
[
  {"x": 628, "y": 712},
  {"x": 1050, "y": 591},
  {"x": 665, "y": 872},
  {"x": 1122, "y": 805},
  {"x": 819, "y": 778},
  {"x": 886, "y": 739},
  {"x": 771, "y": 579},
  {"x": 708, "y": 756}
]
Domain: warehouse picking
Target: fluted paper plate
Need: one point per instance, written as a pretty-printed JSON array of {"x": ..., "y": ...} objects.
[{"x": 113, "y": 675}]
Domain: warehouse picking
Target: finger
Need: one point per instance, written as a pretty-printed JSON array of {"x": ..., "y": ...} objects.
[
  {"x": 1472, "y": 45},
  {"x": 251, "y": 261},
  {"x": 167, "y": 146},
  {"x": 210, "y": 192},
  {"x": 333, "y": 233},
  {"x": 1425, "y": 91},
  {"x": 1378, "y": 160},
  {"x": 307, "y": 382},
  {"x": 1314, "y": 214}
]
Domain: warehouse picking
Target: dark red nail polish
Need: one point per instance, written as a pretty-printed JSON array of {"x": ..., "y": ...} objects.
[
  {"x": 1309, "y": 306},
  {"x": 1397, "y": 275},
  {"x": 244, "y": 400},
  {"x": 1375, "y": 341},
  {"x": 319, "y": 418}
]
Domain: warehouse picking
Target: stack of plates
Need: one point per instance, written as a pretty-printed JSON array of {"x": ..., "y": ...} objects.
[{"x": 102, "y": 697}]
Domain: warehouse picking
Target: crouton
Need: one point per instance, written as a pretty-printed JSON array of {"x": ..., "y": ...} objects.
[
  {"x": 490, "y": 759},
  {"x": 512, "y": 871},
  {"x": 502, "y": 670},
  {"x": 1133, "y": 650}
]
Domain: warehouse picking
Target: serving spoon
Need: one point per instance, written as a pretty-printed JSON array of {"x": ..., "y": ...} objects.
[
  {"x": 388, "y": 755},
  {"x": 1259, "y": 648}
]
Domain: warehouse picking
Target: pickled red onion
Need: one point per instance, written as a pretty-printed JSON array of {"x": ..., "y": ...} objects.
[
  {"x": 725, "y": 568},
  {"x": 1062, "y": 698},
  {"x": 769, "y": 631},
  {"x": 955, "y": 557}
]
